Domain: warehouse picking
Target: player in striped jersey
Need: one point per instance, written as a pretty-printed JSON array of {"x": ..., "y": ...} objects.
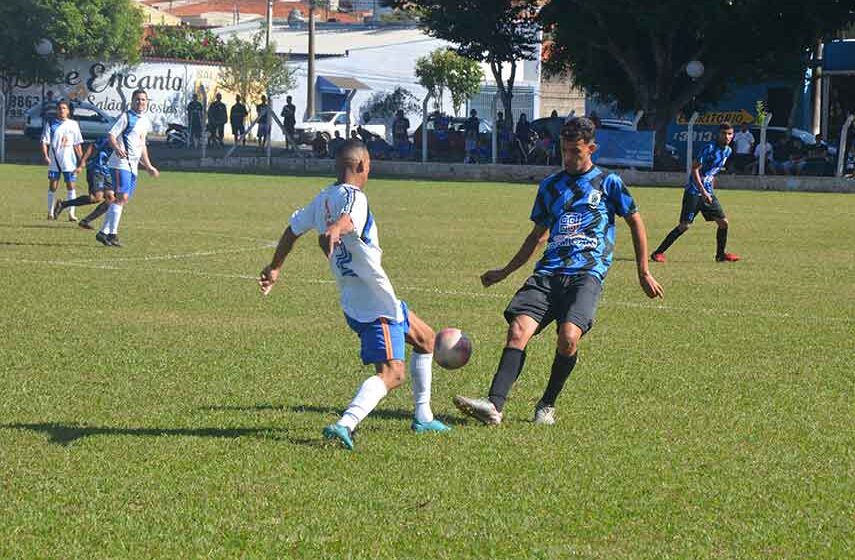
[
  {"x": 95, "y": 158},
  {"x": 699, "y": 197},
  {"x": 574, "y": 215},
  {"x": 348, "y": 233}
]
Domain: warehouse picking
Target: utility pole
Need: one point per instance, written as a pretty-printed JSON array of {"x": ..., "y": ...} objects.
[
  {"x": 269, "y": 23},
  {"x": 310, "y": 94}
]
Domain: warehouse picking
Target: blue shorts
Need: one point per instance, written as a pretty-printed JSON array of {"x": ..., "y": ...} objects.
[
  {"x": 124, "y": 181},
  {"x": 382, "y": 339},
  {"x": 69, "y": 176}
]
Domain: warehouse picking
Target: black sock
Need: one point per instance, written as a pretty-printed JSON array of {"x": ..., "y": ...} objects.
[
  {"x": 669, "y": 240},
  {"x": 720, "y": 241},
  {"x": 510, "y": 366},
  {"x": 81, "y": 200},
  {"x": 99, "y": 210},
  {"x": 561, "y": 367}
]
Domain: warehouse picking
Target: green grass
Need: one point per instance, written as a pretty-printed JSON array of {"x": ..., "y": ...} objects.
[{"x": 154, "y": 405}]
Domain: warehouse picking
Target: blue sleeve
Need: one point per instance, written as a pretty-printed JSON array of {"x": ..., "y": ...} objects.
[
  {"x": 707, "y": 153},
  {"x": 618, "y": 196},
  {"x": 540, "y": 210}
]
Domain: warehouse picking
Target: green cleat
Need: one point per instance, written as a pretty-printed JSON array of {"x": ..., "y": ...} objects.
[
  {"x": 432, "y": 426},
  {"x": 341, "y": 433}
]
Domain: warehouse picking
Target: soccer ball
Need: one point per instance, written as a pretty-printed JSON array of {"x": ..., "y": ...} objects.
[{"x": 452, "y": 348}]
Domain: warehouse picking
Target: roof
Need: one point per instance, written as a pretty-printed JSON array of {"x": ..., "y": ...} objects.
[
  {"x": 838, "y": 57},
  {"x": 331, "y": 42},
  {"x": 339, "y": 84}
]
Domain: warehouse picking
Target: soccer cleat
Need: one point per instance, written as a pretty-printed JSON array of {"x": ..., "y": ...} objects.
[
  {"x": 544, "y": 414},
  {"x": 341, "y": 433},
  {"x": 72, "y": 219},
  {"x": 114, "y": 240},
  {"x": 432, "y": 426},
  {"x": 727, "y": 257},
  {"x": 57, "y": 209},
  {"x": 83, "y": 224},
  {"x": 102, "y": 238},
  {"x": 658, "y": 257},
  {"x": 480, "y": 409}
]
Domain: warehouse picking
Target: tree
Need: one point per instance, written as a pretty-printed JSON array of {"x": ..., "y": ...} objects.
[
  {"x": 186, "y": 43},
  {"x": 252, "y": 70},
  {"x": 445, "y": 69},
  {"x": 76, "y": 28},
  {"x": 385, "y": 105},
  {"x": 635, "y": 53},
  {"x": 500, "y": 32}
]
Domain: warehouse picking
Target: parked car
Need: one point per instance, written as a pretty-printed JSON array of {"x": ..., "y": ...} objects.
[
  {"x": 456, "y": 148},
  {"x": 93, "y": 122},
  {"x": 327, "y": 122}
]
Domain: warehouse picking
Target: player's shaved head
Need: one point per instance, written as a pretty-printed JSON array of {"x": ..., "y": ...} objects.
[
  {"x": 351, "y": 153},
  {"x": 352, "y": 163}
]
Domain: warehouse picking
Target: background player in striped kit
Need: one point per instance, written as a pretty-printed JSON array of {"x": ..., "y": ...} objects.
[{"x": 95, "y": 158}]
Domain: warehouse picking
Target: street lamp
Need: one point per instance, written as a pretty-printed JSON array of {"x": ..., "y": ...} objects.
[
  {"x": 695, "y": 69},
  {"x": 43, "y": 48}
]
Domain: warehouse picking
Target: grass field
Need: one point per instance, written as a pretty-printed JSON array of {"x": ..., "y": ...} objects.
[{"x": 154, "y": 405}]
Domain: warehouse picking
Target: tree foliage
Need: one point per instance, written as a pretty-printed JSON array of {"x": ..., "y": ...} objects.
[
  {"x": 185, "y": 43},
  {"x": 635, "y": 53},
  {"x": 445, "y": 69},
  {"x": 385, "y": 105},
  {"x": 75, "y": 28},
  {"x": 252, "y": 70},
  {"x": 499, "y": 32}
]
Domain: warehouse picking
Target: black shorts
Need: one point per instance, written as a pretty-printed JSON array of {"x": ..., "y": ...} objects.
[
  {"x": 564, "y": 299},
  {"x": 97, "y": 182},
  {"x": 238, "y": 129},
  {"x": 694, "y": 203}
]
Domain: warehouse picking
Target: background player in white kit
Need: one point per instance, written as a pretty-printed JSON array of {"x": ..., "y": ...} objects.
[
  {"x": 127, "y": 137},
  {"x": 348, "y": 232},
  {"x": 61, "y": 140}
]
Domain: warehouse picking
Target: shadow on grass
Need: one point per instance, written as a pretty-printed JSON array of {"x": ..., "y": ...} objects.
[
  {"x": 381, "y": 413},
  {"x": 21, "y": 244},
  {"x": 29, "y": 226},
  {"x": 65, "y": 434}
]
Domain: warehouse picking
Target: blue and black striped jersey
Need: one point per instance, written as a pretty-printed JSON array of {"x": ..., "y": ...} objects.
[
  {"x": 102, "y": 151},
  {"x": 580, "y": 214},
  {"x": 712, "y": 159}
]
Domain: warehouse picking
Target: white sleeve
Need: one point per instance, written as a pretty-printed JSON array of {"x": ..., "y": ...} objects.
[
  {"x": 357, "y": 207},
  {"x": 46, "y": 134},
  {"x": 303, "y": 220},
  {"x": 119, "y": 126}
]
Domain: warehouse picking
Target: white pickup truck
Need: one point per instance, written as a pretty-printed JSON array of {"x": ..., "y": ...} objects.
[{"x": 327, "y": 123}]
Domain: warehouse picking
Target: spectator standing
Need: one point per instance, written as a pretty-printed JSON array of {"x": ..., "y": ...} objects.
[
  {"x": 289, "y": 122},
  {"x": 261, "y": 111},
  {"x": 335, "y": 144},
  {"x": 470, "y": 136},
  {"x": 770, "y": 158},
  {"x": 400, "y": 134},
  {"x": 523, "y": 132},
  {"x": 743, "y": 147},
  {"x": 237, "y": 118},
  {"x": 319, "y": 146},
  {"x": 194, "y": 120},
  {"x": 217, "y": 117}
]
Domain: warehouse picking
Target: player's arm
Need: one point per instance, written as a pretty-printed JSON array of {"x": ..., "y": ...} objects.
[
  {"x": 533, "y": 241},
  {"x": 270, "y": 273},
  {"x": 639, "y": 242},
  {"x": 332, "y": 236},
  {"x": 45, "y": 153},
  {"x": 147, "y": 162},
  {"x": 84, "y": 155},
  {"x": 696, "y": 177}
]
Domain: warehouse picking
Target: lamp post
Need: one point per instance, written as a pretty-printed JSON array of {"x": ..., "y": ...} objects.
[
  {"x": 694, "y": 69},
  {"x": 43, "y": 48}
]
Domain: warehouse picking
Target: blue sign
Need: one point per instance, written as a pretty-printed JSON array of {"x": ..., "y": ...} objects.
[{"x": 627, "y": 148}]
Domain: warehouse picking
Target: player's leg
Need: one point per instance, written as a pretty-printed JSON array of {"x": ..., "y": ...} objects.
[
  {"x": 83, "y": 199},
  {"x": 578, "y": 307},
  {"x": 125, "y": 184},
  {"x": 70, "y": 194},
  {"x": 53, "y": 184},
  {"x": 421, "y": 337},
  {"x": 688, "y": 210},
  {"x": 713, "y": 211},
  {"x": 527, "y": 313},
  {"x": 382, "y": 345}
]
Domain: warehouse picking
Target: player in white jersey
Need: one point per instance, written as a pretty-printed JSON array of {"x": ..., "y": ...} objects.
[
  {"x": 127, "y": 137},
  {"x": 61, "y": 140},
  {"x": 348, "y": 235}
]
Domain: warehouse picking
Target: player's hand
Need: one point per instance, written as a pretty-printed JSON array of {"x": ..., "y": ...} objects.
[
  {"x": 492, "y": 277},
  {"x": 121, "y": 153},
  {"x": 329, "y": 240},
  {"x": 650, "y": 286},
  {"x": 153, "y": 171},
  {"x": 267, "y": 278},
  {"x": 708, "y": 197},
  {"x": 78, "y": 170},
  {"x": 47, "y": 160}
]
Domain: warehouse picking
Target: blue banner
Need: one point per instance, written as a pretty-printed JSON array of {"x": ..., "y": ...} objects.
[{"x": 627, "y": 148}]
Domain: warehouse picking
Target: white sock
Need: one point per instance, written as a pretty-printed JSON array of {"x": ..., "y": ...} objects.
[
  {"x": 421, "y": 374},
  {"x": 116, "y": 217},
  {"x": 50, "y": 202},
  {"x": 108, "y": 220},
  {"x": 369, "y": 395},
  {"x": 71, "y": 195}
]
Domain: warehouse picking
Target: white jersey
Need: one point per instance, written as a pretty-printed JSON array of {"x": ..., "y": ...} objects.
[
  {"x": 129, "y": 131},
  {"x": 366, "y": 292},
  {"x": 61, "y": 137}
]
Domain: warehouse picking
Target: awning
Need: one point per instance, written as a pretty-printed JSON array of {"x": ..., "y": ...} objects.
[
  {"x": 838, "y": 57},
  {"x": 339, "y": 84}
]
